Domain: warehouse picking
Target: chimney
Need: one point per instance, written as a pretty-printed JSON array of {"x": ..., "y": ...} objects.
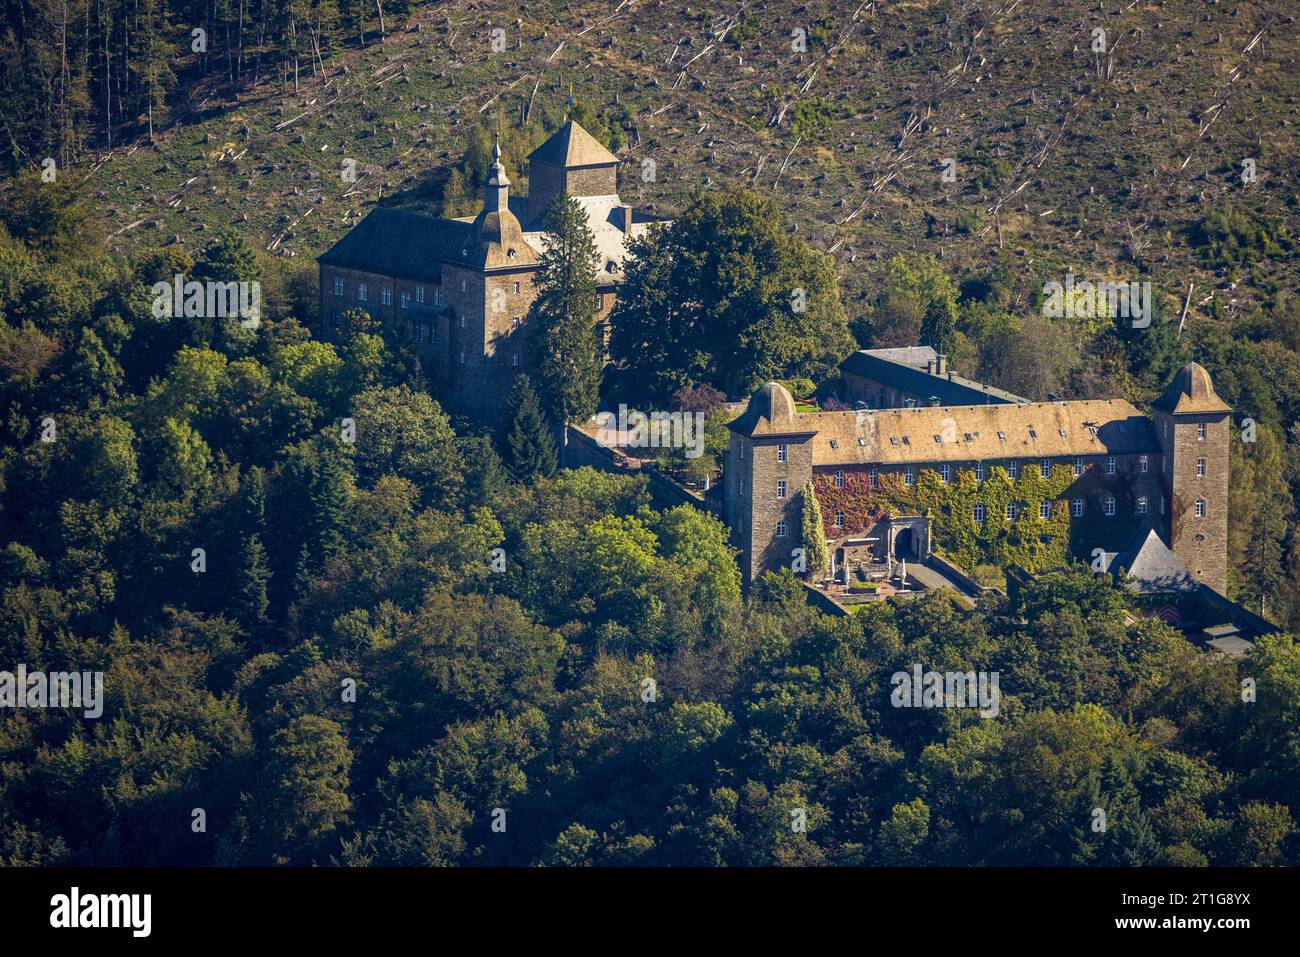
[
  {"x": 942, "y": 364},
  {"x": 931, "y": 366}
]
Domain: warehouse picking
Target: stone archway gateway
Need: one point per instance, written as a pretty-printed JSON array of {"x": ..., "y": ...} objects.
[{"x": 908, "y": 538}]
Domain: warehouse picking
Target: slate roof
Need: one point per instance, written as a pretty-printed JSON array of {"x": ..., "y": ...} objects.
[
  {"x": 572, "y": 146},
  {"x": 771, "y": 412},
  {"x": 1155, "y": 569},
  {"x": 977, "y": 432},
  {"x": 902, "y": 371},
  {"x": 1191, "y": 391},
  {"x": 394, "y": 242}
]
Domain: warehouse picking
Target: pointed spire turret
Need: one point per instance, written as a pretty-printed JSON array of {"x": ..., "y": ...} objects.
[{"x": 496, "y": 197}]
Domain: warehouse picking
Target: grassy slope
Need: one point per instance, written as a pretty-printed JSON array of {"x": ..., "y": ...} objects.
[{"x": 1009, "y": 88}]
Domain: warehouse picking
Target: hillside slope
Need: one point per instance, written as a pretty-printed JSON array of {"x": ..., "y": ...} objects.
[{"x": 1064, "y": 158}]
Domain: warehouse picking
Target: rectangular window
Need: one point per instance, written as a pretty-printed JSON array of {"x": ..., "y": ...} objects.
[
  {"x": 462, "y": 356},
  {"x": 907, "y": 475},
  {"x": 1142, "y": 505},
  {"x": 875, "y": 479},
  {"x": 1108, "y": 506},
  {"x": 979, "y": 513},
  {"x": 405, "y": 299},
  {"x": 1013, "y": 469},
  {"x": 979, "y": 471},
  {"x": 1110, "y": 465},
  {"x": 385, "y": 296},
  {"x": 1076, "y": 508},
  {"x": 1045, "y": 468},
  {"x": 1144, "y": 464},
  {"x": 362, "y": 292},
  {"x": 780, "y": 489},
  {"x": 516, "y": 289},
  {"x": 462, "y": 285},
  {"x": 1200, "y": 467},
  {"x": 945, "y": 473},
  {"x": 781, "y": 452},
  {"x": 780, "y": 529},
  {"x": 419, "y": 294},
  {"x": 514, "y": 360},
  {"x": 839, "y": 519},
  {"x": 338, "y": 287},
  {"x": 1044, "y": 509},
  {"x": 1200, "y": 432},
  {"x": 1200, "y": 508},
  {"x": 1078, "y": 467},
  {"x": 1013, "y": 510},
  {"x": 839, "y": 478}
]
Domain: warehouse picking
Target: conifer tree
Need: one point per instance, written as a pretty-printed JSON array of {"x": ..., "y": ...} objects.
[
  {"x": 569, "y": 346},
  {"x": 330, "y": 498},
  {"x": 815, "y": 550},
  {"x": 530, "y": 449},
  {"x": 939, "y": 327},
  {"x": 250, "y": 600}
]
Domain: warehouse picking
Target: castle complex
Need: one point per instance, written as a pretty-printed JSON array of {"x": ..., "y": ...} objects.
[
  {"x": 1115, "y": 474},
  {"x": 462, "y": 287},
  {"x": 1094, "y": 478}
]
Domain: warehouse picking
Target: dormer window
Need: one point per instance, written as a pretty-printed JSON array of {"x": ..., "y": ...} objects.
[
  {"x": 938, "y": 440},
  {"x": 835, "y": 443},
  {"x": 1033, "y": 433},
  {"x": 1062, "y": 432},
  {"x": 510, "y": 253},
  {"x": 861, "y": 440},
  {"x": 893, "y": 440}
]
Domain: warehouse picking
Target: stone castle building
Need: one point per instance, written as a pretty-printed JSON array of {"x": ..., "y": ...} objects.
[
  {"x": 461, "y": 288},
  {"x": 1122, "y": 474}
]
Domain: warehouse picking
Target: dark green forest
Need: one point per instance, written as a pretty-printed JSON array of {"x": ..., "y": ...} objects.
[{"x": 400, "y": 641}]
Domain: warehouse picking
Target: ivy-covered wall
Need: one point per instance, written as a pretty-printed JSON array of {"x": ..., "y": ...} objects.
[{"x": 1030, "y": 541}]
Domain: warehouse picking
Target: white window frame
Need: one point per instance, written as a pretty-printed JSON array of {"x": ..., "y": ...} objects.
[
  {"x": 1110, "y": 465},
  {"x": 781, "y": 452},
  {"x": 781, "y": 489},
  {"x": 1108, "y": 506},
  {"x": 1200, "y": 508}
]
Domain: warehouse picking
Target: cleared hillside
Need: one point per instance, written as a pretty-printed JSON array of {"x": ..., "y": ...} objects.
[{"x": 1105, "y": 163}]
